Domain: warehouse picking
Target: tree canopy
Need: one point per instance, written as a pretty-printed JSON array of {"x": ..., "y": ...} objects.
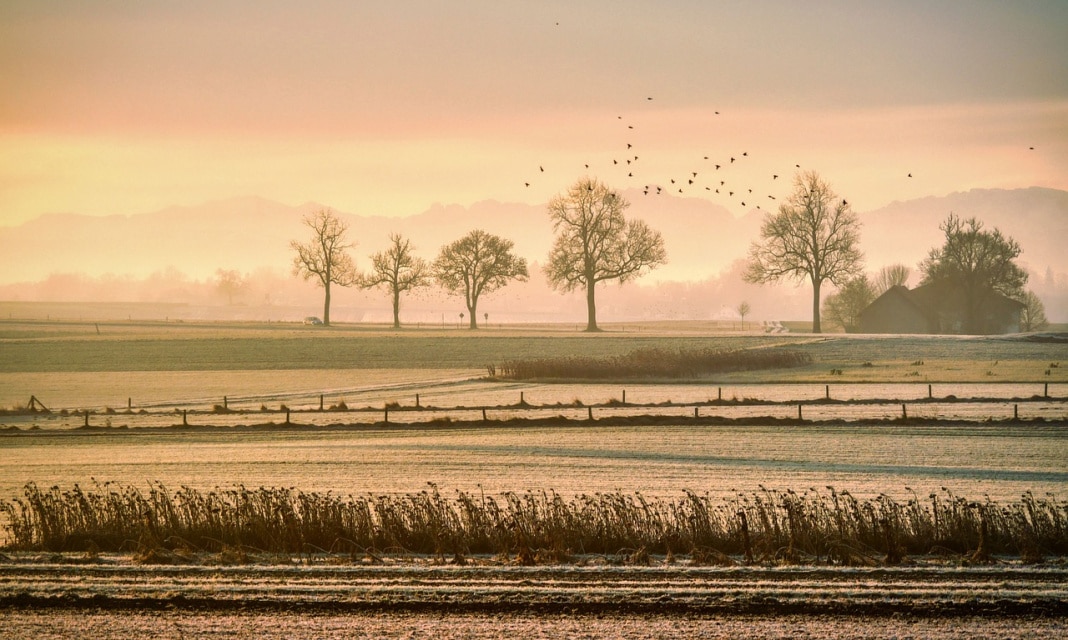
[
  {"x": 595, "y": 243},
  {"x": 397, "y": 270},
  {"x": 476, "y": 264},
  {"x": 324, "y": 257},
  {"x": 978, "y": 262},
  {"x": 814, "y": 235}
]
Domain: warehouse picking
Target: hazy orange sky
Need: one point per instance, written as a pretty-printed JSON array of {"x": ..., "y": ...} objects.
[{"x": 383, "y": 108}]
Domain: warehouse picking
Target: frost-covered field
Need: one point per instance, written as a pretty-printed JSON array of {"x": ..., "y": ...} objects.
[
  {"x": 999, "y": 460},
  {"x": 109, "y": 599},
  {"x": 179, "y": 625}
]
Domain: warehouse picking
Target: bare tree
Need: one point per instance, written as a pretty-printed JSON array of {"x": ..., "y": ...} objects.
[
  {"x": 743, "y": 311},
  {"x": 979, "y": 263},
  {"x": 476, "y": 264},
  {"x": 1033, "y": 316},
  {"x": 397, "y": 271},
  {"x": 594, "y": 243},
  {"x": 324, "y": 257},
  {"x": 895, "y": 275},
  {"x": 229, "y": 282},
  {"x": 815, "y": 235},
  {"x": 843, "y": 307}
]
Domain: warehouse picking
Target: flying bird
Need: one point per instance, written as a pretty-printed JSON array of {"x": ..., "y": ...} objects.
[
  {"x": 542, "y": 169},
  {"x": 774, "y": 176}
]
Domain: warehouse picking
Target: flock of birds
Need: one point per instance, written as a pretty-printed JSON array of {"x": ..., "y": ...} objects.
[{"x": 712, "y": 177}]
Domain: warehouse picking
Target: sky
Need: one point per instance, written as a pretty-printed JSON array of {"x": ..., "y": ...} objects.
[{"x": 385, "y": 108}]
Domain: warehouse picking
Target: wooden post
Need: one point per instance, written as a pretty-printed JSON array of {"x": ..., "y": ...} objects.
[
  {"x": 287, "y": 416},
  {"x": 185, "y": 422},
  {"x": 929, "y": 394},
  {"x": 904, "y": 412},
  {"x": 827, "y": 391},
  {"x": 417, "y": 400},
  {"x": 589, "y": 412},
  {"x": 799, "y": 412},
  {"x": 1045, "y": 390},
  {"x": 719, "y": 393},
  {"x": 695, "y": 412},
  {"x": 483, "y": 414},
  {"x": 320, "y": 402},
  {"x": 226, "y": 403},
  {"x": 521, "y": 398},
  {"x": 624, "y": 396},
  {"x": 1015, "y": 412},
  {"x": 387, "y": 416},
  {"x": 87, "y": 417},
  {"x": 129, "y": 404}
]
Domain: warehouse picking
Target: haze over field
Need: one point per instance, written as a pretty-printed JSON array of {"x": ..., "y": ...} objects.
[{"x": 147, "y": 145}]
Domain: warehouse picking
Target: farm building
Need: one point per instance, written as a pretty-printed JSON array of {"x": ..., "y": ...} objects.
[{"x": 937, "y": 308}]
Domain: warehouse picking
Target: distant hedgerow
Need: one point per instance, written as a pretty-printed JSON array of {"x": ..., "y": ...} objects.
[{"x": 654, "y": 363}]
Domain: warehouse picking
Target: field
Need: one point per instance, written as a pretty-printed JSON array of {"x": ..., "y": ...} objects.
[{"x": 136, "y": 378}]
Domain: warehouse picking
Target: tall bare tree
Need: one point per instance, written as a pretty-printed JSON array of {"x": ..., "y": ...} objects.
[
  {"x": 397, "y": 270},
  {"x": 324, "y": 257},
  {"x": 595, "y": 243},
  {"x": 1033, "y": 315},
  {"x": 815, "y": 235},
  {"x": 476, "y": 264},
  {"x": 979, "y": 263},
  {"x": 895, "y": 275}
]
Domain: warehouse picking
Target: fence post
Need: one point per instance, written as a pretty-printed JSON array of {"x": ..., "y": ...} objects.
[
  {"x": 624, "y": 396},
  {"x": 129, "y": 404},
  {"x": 827, "y": 391},
  {"x": 929, "y": 394},
  {"x": 226, "y": 403},
  {"x": 320, "y": 402},
  {"x": 287, "y": 416},
  {"x": 417, "y": 400},
  {"x": 695, "y": 410},
  {"x": 1045, "y": 390},
  {"x": 387, "y": 416},
  {"x": 799, "y": 412},
  {"x": 1015, "y": 412},
  {"x": 589, "y": 412},
  {"x": 87, "y": 417},
  {"x": 521, "y": 401},
  {"x": 904, "y": 412},
  {"x": 483, "y": 414},
  {"x": 185, "y": 422},
  {"x": 719, "y": 393}
]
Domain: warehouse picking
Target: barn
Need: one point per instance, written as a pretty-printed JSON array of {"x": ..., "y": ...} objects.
[{"x": 937, "y": 308}]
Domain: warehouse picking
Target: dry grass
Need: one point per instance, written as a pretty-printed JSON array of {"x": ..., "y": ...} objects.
[{"x": 767, "y": 527}]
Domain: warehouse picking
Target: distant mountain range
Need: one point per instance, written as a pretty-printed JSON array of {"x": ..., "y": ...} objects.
[{"x": 702, "y": 238}]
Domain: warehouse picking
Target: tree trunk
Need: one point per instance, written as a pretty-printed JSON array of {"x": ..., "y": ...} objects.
[
  {"x": 816, "y": 306},
  {"x": 326, "y": 304},
  {"x": 396, "y": 310},
  {"x": 591, "y": 307},
  {"x": 473, "y": 324}
]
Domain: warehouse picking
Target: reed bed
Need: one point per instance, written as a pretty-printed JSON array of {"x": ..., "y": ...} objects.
[
  {"x": 654, "y": 363},
  {"x": 764, "y": 527}
]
